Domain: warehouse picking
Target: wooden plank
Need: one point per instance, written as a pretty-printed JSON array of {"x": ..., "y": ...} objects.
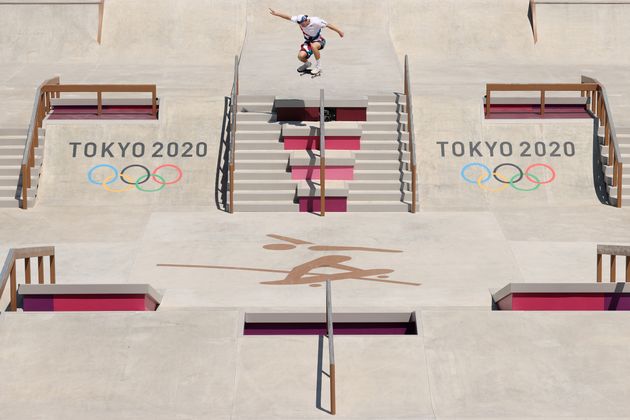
[
  {"x": 613, "y": 268},
  {"x": 27, "y": 270},
  {"x": 599, "y": 268},
  {"x": 40, "y": 270},
  {"x": 13, "y": 288},
  {"x": 36, "y": 251},
  {"x": 53, "y": 275}
]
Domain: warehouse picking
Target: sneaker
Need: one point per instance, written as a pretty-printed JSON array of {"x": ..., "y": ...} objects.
[
  {"x": 316, "y": 70},
  {"x": 304, "y": 66}
]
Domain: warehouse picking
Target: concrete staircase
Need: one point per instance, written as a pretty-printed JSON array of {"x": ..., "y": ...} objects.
[
  {"x": 623, "y": 139},
  {"x": 262, "y": 181},
  {"x": 11, "y": 152},
  {"x": 382, "y": 177}
]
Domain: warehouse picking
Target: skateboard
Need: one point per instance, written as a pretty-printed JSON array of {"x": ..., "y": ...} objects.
[{"x": 308, "y": 71}]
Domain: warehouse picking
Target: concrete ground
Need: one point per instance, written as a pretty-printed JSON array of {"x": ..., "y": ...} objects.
[{"x": 190, "y": 359}]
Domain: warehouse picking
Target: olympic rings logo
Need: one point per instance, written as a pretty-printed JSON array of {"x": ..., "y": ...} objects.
[
  {"x": 136, "y": 181},
  {"x": 511, "y": 180}
]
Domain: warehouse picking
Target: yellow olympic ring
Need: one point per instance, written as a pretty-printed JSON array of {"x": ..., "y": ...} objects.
[
  {"x": 108, "y": 188},
  {"x": 483, "y": 187}
]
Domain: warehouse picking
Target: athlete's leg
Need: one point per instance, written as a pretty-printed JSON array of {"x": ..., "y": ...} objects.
[
  {"x": 302, "y": 56},
  {"x": 316, "y": 46}
]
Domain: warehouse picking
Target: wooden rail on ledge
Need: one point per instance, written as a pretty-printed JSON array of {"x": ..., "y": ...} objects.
[
  {"x": 613, "y": 251},
  {"x": 231, "y": 152},
  {"x": 9, "y": 270}
]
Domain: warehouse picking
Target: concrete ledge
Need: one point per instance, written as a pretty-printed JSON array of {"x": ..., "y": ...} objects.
[
  {"x": 309, "y": 189},
  {"x": 334, "y": 128},
  {"x": 90, "y": 289},
  {"x": 333, "y": 158},
  {"x": 559, "y": 288},
  {"x": 314, "y": 103}
]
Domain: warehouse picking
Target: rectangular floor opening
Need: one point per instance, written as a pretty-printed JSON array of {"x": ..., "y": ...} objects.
[{"x": 402, "y": 323}]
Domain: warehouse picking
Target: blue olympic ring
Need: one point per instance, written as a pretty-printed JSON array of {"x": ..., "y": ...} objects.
[
  {"x": 474, "y": 181},
  {"x": 102, "y": 165}
]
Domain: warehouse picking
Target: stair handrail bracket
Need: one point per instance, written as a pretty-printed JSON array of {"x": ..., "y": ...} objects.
[
  {"x": 231, "y": 152},
  {"x": 41, "y": 105},
  {"x": 412, "y": 137},
  {"x": 9, "y": 269},
  {"x": 600, "y": 107}
]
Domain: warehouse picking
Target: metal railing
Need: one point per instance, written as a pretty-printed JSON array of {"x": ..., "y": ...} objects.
[
  {"x": 600, "y": 107},
  {"x": 9, "y": 270},
  {"x": 613, "y": 251},
  {"x": 322, "y": 153},
  {"x": 233, "y": 112},
  {"x": 412, "y": 136},
  {"x": 331, "y": 349}
]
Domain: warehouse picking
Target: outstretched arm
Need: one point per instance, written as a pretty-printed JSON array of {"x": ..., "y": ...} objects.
[
  {"x": 334, "y": 28},
  {"x": 280, "y": 15}
]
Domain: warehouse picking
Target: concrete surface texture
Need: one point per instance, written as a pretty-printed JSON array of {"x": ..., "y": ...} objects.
[{"x": 189, "y": 359}]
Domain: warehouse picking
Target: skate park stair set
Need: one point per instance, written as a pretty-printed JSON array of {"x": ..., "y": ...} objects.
[{"x": 277, "y": 157}]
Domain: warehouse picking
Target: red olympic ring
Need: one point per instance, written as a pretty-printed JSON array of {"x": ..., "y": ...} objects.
[
  {"x": 167, "y": 165},
  {"x": 543, "y": 165}
]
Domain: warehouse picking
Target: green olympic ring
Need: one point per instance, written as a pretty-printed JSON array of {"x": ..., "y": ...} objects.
[
  {"x": 145, "y": 177},
  {"x": 512, "y": 180}
]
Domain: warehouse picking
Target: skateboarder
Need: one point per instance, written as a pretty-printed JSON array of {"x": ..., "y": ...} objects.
[{"x": 314, "y": 42}]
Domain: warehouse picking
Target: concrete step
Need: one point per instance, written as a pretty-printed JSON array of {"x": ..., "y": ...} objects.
[
  {"x": 17, "y": 141},
  {"x": 258, "y": 135},
  {"x": 14, "y": 170},
  {"x": 16, "y": 160},
  {"x": 385, "y": 107},
  {"x": 254, "y": 99},
  {"x": 254, "y": 107},
  {"x": 381, "y": 126},
  {"x": 384, "y": 135},
  {"x": 281, "y": 165},
  {"x": 386, "y": 116},
  {"x": 384, "y": 145},
  {"x": 18, "y": 150},
  {"x": 272, "y": 195},
  {"x": 242, "y": 155},
  {"x": 361, "y": 155},
  {"x": 257, "y": 126},
  {"x": 259, "y": 145},
  {"x": 265, "y": 206},
  {"x": 266, "y": 185},
  {"x": 380, "y": 164},
  {"x": 255, "y": 116},
  {"x": 13, "y": 180},
  {"x": 388, "y": 97},
  {"x": 362, "y": 175},
  {"x": 612, "y": 194},
  {"x": 376, "y": 195},
  {"x": 377, "y": 206},
  {"x": 261, "y": 175},
  {"x": 378, "y": 185},
  {"x": 9, "y": 192}
]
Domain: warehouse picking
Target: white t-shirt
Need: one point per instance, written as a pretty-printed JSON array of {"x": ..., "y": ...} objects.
[{"x": 314, "y": 27}]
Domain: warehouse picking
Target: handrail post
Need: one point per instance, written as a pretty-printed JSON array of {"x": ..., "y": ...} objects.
[
  {"x": 99, "y": 103},
  {"x": 154, "y": 102},
  {"x": 231, "y": 153},
  {"x": 101, "y": 12},
  {"x": 599, "y": 268},
  {"x": 24, "y": 203},
  {"x": 53, "y": 274},
  {"x": 13, "y": 287},
  {"x": 322, "y": 154},
  {"x": 542, "y": 103},
  {"x": 619, "y": 183},
  {"x": 331, "y": 349}
]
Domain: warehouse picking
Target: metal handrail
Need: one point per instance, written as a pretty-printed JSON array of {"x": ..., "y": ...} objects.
[
  {"x": 602, "y": 109},
  {"x": 32, "y": 140},
  {"x": 9, "y": 269},
  {"x": 412, "y": 139},
  {"x": 331, "y": 348},
  {"x": 322, "y": 153},
  {"x": 233, "y": 112}
]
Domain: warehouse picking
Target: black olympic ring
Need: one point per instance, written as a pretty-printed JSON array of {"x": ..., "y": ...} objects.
[
  {"x": 144, "y": 177},
  {"x": 520, "y": 172}
]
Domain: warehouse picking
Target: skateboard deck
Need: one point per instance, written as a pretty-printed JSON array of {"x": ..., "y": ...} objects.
[{"x": 308, "y": 71}]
